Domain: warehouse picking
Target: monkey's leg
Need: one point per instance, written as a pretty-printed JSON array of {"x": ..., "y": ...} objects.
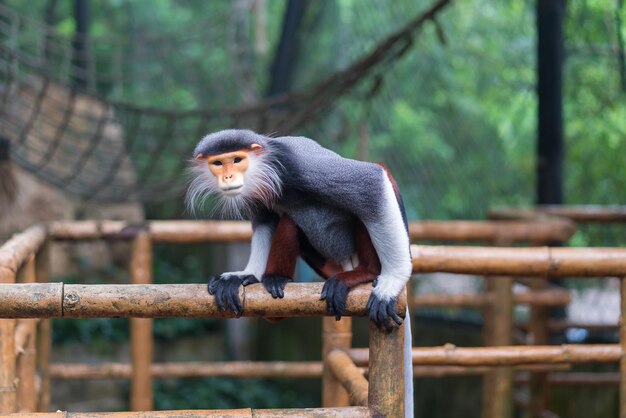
[
  {"x": 281, "y": 262},
  {"x": 336, "y": 288},
  {"x": 388, "y": 239}
]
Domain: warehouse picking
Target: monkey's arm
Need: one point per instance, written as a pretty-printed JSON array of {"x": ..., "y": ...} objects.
[{"x": 225, "y": 286}]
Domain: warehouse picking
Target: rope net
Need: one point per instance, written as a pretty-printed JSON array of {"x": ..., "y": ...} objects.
[{"x": 99, "y": 131}]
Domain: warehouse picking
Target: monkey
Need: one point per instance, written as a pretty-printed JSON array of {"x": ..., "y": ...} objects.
[{"x": 344, "y": 217}]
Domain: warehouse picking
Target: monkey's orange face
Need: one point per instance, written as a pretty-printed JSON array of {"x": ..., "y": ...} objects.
[{"x": 229, "y": 170}]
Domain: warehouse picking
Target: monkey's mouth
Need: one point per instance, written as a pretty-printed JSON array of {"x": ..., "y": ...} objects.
[{"x": 233, "y": 189}]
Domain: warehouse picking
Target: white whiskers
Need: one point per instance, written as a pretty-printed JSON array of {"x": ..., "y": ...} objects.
[{"x": 262, "y": 186}]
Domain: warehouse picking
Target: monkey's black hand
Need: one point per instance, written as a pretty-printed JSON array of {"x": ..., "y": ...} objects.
[
  {"x": 382, "y": 312},
  {"x": 275, "y": 285},
  {"x": 225, "y": 288},
  {"x": 335, "y": 292}
]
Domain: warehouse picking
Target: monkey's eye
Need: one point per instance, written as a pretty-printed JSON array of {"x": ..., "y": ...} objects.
[
  {"x": 217, "y": 163},
  {"x": 237, "y": 160}
]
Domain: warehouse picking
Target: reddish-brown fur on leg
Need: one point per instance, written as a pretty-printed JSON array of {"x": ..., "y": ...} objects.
[
  {"x": 369, "y": 264},
  {"x": 284, "y": 250}
]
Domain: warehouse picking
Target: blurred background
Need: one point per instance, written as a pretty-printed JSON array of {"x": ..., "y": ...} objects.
[{"x": 102, "y": 102}]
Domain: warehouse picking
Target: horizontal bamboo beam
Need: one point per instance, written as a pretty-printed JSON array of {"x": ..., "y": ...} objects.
[
  {"x": 547, "y": 297},
  {"x": 252, "y": 369},
  {"x": 17, "y": 250},
  {"x": 470, "y": 300},
  {"x": 558, "y": 230},
  {"x": 181, "y": 231},
  {"x": 350, "y": 376},
  {"x": 450, "y": 355},
  {"x": 355, "y": 411},
  {"x": 536, "y": 261},
  {"x": 512, "y": 355},
  {"x": 56, "y": 300},
  {"x": 239, "y": 369},
  {"x": 577, "y": 213}
]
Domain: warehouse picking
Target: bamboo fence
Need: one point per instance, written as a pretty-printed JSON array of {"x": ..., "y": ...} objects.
[
  {"x": 34, "y": 299},
  {"x": 540, "y": 325}
]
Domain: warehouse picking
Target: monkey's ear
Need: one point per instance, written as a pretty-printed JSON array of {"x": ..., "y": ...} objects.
[
  {"x": 255, "y": 147},
  {"x": 199, "y": 156}
]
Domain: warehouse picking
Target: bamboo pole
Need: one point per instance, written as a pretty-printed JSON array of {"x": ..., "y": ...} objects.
[
  {"x": 512, "y": 355},
  {"x": 490, "y": 231},
  {"x": 44, "y": 332},
  {"x": 7, "y": 366},
  {"x": 542, "y": 261},
  {"x": 240, "y": 369},
  {"x": 497, "y": 331},
  {"x": 360, "y": 356},
  {"x": 577, "y": 213},
  {"x": 539, "y": 335},
  {"x": 349, "y": 412},
  {"x": 176, "y": 232},
  {"x": 499, "y": 394},
  {"x": 141, "y": 340},
  {"x": 26, "y": 350},
  {"x": 17, "y": 250},
  {"x": 186, "y": 232},
  {"x": 488, "y": 314},
  {"x": 543, "y": 297},
  {"x": 13, "y": 255},
  {"x": 253, "y": 369},
  {"x": 56, "y": 300},
  {"x": 349, "y": 375},
  {"x": 622, "y": 337},
  {"x": 386, "y": 371},
  {"x": 336, "y": 335}
]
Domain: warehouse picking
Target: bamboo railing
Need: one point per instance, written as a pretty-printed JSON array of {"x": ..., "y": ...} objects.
[
  {"x": 28, "y": 301},
  {"x": 540, "y": 323},
  {"x": 147, "y": 300}
]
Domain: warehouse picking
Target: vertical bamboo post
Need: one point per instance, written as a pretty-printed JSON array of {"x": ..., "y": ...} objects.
[
  {"x": 502, "y": 377},
  {"x": 141, "y": 338},
  {"x": 487, "y": 331},
  {"x": 7, "y": 354},
  {"x": 26, "y": 365},
  {"x": 622, "y": 338},
  {"x": 44, "y": 332},
  {"x": 498, "y": 383},
  {"x": 539, "y": 335},
  {"x": 386, "y": 374},
  {"x": 335, "y": 335}
]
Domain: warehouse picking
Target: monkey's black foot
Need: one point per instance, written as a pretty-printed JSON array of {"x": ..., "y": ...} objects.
[
  {"x": 335, "y": 292},
  {"x": 275, "y": 285},
  {"x": 225, "y": 288},
  {"x": 382, "y": 312}
]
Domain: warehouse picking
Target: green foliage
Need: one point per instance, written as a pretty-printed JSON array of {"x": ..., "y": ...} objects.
[
  {"x": 224, "y": 393},
  {"x": 456, "y": 122}
]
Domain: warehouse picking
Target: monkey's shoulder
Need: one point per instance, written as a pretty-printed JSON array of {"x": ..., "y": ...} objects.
[{"x": 308, "y": 160}]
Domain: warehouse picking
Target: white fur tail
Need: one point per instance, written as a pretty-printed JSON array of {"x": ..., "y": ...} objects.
[{"x": 408, "y": 366}]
